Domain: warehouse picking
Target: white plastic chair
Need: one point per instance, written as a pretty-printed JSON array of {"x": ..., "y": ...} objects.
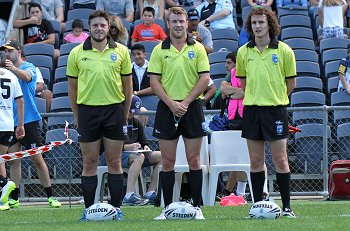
[
  {"x": 101, "y": 177},
  {"x": 181, "y": 166},
  {"x": 228, "y": 152}
]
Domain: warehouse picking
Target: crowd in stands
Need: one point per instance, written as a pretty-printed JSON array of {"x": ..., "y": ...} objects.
[{"x": 136, "y": 24}]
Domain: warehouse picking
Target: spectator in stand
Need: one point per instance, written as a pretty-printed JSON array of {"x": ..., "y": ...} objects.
[
  {"x": 52, "y": 10},
  {"x": 199, "y": 32},
  {"x": 216, "y": 14},
  {"x": 135, "y": 161},
  {"x": 37, "y": 29},
  {"x": 89, "y": 4},
  {"x": 117, "y": 31},
  {"x": 331, "y": 14},
  {"x": 122, "y": 8},
  {"x": 157, "y": 5},
  {"x": 280, "y": 3},
  {"x": 77, "y": 35},
  {"x": 140, "y": 77},
  {"x": 344, "y": 73},
  {"x": 147, "y": 30},
  {"x": 263, "y": 3}
]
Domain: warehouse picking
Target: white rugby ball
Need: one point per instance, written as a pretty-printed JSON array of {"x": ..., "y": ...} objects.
[
  {"x": 265, "y": 210},
  {"x": 180, "y": 211},
  {"x": 101, "y": 212}
]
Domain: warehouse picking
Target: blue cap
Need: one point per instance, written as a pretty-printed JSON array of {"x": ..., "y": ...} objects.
[{"x": 136, "y": 104}]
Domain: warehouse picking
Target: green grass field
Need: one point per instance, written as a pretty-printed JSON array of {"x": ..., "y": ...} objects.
[{"x": 312, "y": 215}]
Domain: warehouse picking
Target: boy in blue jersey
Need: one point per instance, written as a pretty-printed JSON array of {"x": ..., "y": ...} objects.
[{"x": 26, "y": 75}]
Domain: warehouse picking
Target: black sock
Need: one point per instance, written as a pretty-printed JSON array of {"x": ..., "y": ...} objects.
[
  {"x": 283, "y": 181},
  {"x": 258, "y": 179},
  {"x": 48, "y": 191},
  {"x": 195, "y": 178},
  {"x": 14, "y": 194},
  {"x": 115, "y": 185},
  {"x": 167, "y": 180},
  {"x": 3, "y": 181},
  {"x": 88, "y": 185}
]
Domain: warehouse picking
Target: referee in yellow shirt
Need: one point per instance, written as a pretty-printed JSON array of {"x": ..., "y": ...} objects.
[
  {"x": 100, "y": 91},
  {"x": 267, "y": 69},
  {"x": 179, "y": 70}
]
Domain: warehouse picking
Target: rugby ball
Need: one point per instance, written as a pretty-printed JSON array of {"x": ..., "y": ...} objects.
[
  {"x": 180, "y": 211},
  {"x": 101, "y": 212},
  {"x": 265, "y": 210}
]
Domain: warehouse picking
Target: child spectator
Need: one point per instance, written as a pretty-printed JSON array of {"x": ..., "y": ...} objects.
[
  {"x": 117, "y": 31},
  {"x": 77, "y": 35},
  {"x": 148, "y": 30}
]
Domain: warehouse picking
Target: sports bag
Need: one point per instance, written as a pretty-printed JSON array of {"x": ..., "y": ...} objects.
[
  {"x": 220, "y": 121},
  {"x": 339, "y": 180}
]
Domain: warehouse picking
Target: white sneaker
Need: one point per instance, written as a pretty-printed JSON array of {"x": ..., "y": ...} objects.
[
  {"x": 199, "y": 214},
  {"x": 161, "y": 216}
]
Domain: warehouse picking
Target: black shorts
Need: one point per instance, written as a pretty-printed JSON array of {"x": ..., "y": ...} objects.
[
  {"x": 32, "y": 136},
  {"x": 6, "y": 138},
  {"x": 266, "y": 123},
  {"x": 191, "y": 125},
  {"x": 95, "y": 122}
]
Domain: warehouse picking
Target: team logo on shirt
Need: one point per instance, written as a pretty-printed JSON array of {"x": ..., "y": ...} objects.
[
  {"x": 113, "y": 57},
  {"x": 279, "y": 127},
  {"x": 274, "y": 58},
  {"x": 191, "y": 54}
]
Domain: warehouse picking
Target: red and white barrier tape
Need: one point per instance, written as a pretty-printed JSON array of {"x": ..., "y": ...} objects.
[{"x": 37, "y": 150}]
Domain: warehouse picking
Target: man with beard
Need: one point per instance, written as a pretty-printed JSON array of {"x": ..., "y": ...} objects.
[
  {"x": 100, "y": 91},
  {"x": 179, "y": 70}
]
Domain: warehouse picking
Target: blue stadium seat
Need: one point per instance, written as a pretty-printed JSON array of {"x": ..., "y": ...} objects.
[
  {"x": 40, "y": 61},
  {"x": 309, "y": 147},
  {"x": 307, "y": 68},
  {"x": 149, "y": 45},
  {"x": 217, "y": 71},
  {"x": 60, "y": 89},
  {"x": 341, "y": 98},
  {"x": 295, "y": 20},
  {"x": 341, "y": 116},
  {"x": 62, "y": 61},
  {"x": 40, "y": 104},
  {"x": 333, "y": 43},
  {"x": 61, "y": 104},
  {"x": 217, "y": 82},
  {"x": 343, "y": 141},
  {"x": 306, "y": 55},
  {"x": 45, "y": 72},
  {"x": 39, "y": 49},
  {"x": 229, "y": 34},
  {"x": 60, "y": 74},
  {"x": 150, "y": 102},
  {"x": 332, "y": 85},
  {"x": 66, "y": 48},
  {"x": 331, "y": 69},
  {"x": 300, "y": 43},
  {"x": 80, "y": 13},
  {"x": 230, "y": 45},
  {"x": 153, "y": 142},
  {"x": 245, "y": 12},
  {"x": 307, "y": 117},
  {"x": 292, "y": 10},
  {"x": 335, "y": 54},
  {"x": 56, "y": 26},
  {"x": 296, "y": 32},
  {"x": 307, "y": 99},
  {"x": 308, "y": 84},
  {"x": 217, "y": 57},
  {"x": 59, "y": 122}
]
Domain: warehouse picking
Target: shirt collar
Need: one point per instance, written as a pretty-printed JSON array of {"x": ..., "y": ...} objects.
[
  {"x": 166, "y": 42},
  {"x": 273, "y": 43},
  {"x": 145, "y": 65},
  {"x": 88, "y": 46}
]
